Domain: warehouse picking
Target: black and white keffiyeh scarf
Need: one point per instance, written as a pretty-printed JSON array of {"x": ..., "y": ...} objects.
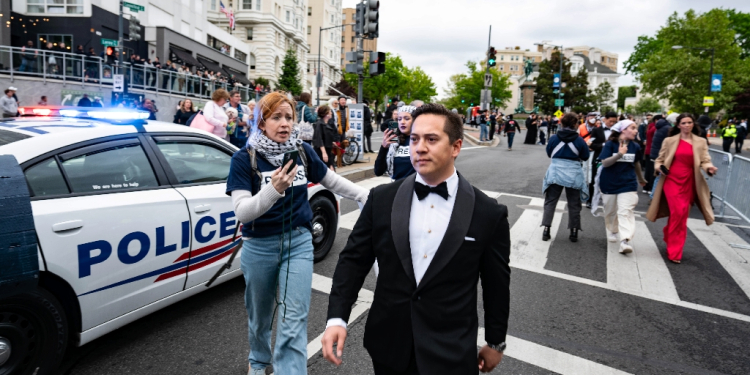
[{"x": 271, "y": 150}]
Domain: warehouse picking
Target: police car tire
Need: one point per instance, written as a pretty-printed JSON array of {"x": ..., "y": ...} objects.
[
  {"x": 324, "y": 213},
  {"x": 36, "y": 325}
]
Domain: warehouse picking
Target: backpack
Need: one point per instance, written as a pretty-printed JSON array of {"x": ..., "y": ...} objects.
[
  {"x": 306, "y": 129},
  {"x": 254, "y": 164}
]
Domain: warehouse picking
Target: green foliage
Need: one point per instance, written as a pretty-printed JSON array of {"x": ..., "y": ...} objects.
[
  {"x": 289, "y": 79},
  {"x": 398, "y": 80},
  {"x": 602, "y": 95},
  {"x": 262, "y": 81},
  {"x": 740, "y": 23},
  {"x": 603, "y": 110},
  {"x": 645, "y": 47},
  {"x": 469, "y": 86},
  {"x": 742, "y": 104},
  {"x": 682, "y": 76},
  {"x": 624, "y": 92},
  {"x": 575, "y": 94},
  {"x": 645, "y": 105}
]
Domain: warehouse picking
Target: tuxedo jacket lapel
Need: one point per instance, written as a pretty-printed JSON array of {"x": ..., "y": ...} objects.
[
  {"x": 400, "y": 215},
  {"x": 458, "y": 227}
]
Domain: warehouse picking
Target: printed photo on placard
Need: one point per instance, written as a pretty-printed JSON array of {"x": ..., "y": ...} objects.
[
  {"x": 359, "y": 137},
  {"x": 353, "y": 113}
]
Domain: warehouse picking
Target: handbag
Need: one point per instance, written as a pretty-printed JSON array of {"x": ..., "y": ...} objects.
[
  {"x": 306, "y": 129},
  {"x": 199, "y": 122}
]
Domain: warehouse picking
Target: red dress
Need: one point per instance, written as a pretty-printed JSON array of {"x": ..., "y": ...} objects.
[{"x": 679, "y": 190}]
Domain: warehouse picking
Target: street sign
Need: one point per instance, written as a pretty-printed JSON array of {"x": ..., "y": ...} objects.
[
  {"x": 708, "y": 101},
  {"x": 716, "y": 82},
  {"x": 133, "y": 7},
  {"x": 559, "y": 102},
  {"x": 558, "y": 114},
  {"x": 118, "y": 83},
  {"x": 488, "y": 80},
  {"x": 71, "y": 97},
  {"x": 109, "y": 42},
  {"x": 556, "y": 81}
]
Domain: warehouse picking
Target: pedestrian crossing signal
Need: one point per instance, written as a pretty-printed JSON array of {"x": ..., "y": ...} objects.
[{"x": 491, "y": 57}]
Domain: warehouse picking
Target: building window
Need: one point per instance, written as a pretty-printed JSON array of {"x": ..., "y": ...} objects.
[
  {"x": 295, "y": 22},
  {"x": 249, "y": 33},
  {"x": 56, "y": 39},
  {"x": 247, "y": 4},
  {"x": 309, "y": 11},
  {"x": 308, "y": 68},
  {"x": 55, "y": 7},
  {"x": 217, "y": 44},
  {"x": 288, "y": 16},
  {"x": 252, "y": 62},
  {"x": 354, "y": 28},
  {"x": 502, "y": 57},
  {"x": 501, "y": 67},
  {"x": 342, "y": 50},
  {"x": 332, "y": 18},
  {"x": 352, "y": 39},
  {"x": 309, "y": 29},
  {"x": 213, "y": 4},
  {"x": 239, "y": 55}
]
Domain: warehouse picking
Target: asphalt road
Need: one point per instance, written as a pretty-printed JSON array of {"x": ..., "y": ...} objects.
[{"x": 577, "y": 308}]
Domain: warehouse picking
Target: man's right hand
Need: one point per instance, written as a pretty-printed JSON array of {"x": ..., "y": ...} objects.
[{"x": 334, "y": 335}]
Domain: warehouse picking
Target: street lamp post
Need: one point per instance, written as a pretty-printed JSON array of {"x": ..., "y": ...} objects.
[
  {"x": 710, "y": 71},
  {"x": 318, "y": 76}
]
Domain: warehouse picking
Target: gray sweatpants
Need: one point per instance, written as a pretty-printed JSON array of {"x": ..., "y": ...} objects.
[{"x": 552, "y": 195}]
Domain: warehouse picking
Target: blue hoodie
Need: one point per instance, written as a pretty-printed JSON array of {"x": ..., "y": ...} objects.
[
  {"x": 568, "y": 136},
  {"x": 662, "y": 131}
]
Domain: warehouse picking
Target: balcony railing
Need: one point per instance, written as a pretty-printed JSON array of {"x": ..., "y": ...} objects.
[{"x": 76, "y": 68}]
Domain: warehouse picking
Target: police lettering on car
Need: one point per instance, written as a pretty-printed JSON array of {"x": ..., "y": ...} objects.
[
  {"x": 394, "y": 158},
  {"x": 270, "y": 199}
]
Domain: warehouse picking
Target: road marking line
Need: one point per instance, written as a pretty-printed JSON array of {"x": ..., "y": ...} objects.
[
  {"x": 471, "y": 148},
  {"x": 374, "y": 182},
  {"x": 643, "y": 270},
  {"x": 717, "y": 239},
  {"x": 550, "y": 359},
  {"x": 527, "y": 247},
  {"x": 347, "y": 221}
]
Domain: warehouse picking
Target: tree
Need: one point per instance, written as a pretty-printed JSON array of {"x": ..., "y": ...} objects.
[
  {"x": 740, "y": 23},
  {"x": 468, "y": 87},
  {"x": 624, "y": 92},
  {"x": 682, "y": 76},
  {"x": 289, "y": 79},
  {"x": 263, "y": 82},
  {"x": 602, "y": 95},
  {"x": 645, "y": 105},
  {"x": 398, "y": 80},
  {"x": 742, "y": 104},
  {"x": 575, "y": 93},
  {"x": 344, "y": 87}
]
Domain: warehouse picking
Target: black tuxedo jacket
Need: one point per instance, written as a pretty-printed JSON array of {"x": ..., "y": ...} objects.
[{"x": 436, "y": 320}]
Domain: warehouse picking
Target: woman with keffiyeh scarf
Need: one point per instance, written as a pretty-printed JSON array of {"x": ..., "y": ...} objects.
[{"x": 277, "y": 251}]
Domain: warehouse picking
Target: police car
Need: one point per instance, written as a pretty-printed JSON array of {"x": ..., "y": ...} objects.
[{"x": 130, "y": 217}]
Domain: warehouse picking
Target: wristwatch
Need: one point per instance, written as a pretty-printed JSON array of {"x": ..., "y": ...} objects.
[{"x": 499, "y": 347}]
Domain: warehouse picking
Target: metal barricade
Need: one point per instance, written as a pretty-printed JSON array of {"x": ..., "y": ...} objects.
[
  {"x": 720, "y": 182},
  {"x": 737, "y": 197}
]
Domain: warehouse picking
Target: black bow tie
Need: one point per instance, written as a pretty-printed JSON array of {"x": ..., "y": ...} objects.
[{"x": 423, "y": 190}]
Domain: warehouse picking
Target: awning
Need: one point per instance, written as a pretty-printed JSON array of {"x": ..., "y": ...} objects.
[
  {"x": 210, "y": 65},
  {"x": 185, "y": 56},
  {"x": 238, "y": 76}
]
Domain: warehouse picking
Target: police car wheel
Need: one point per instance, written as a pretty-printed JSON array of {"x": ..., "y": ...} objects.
[
  {"x": 323, "y": 225},
  {"x": 33, "y": 331}
]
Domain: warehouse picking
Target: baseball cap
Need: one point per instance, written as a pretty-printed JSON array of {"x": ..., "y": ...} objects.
[{"x": 12, "y": 88}]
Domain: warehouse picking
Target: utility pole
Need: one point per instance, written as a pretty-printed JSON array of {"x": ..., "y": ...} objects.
[
  {"x": 319, "y": 76},
  {"x": 485, "y": 96},
  {"x": 119, "y": 39},
  {"x": 559, "y": 90},
  {"x": 710, "y": 75},
  {"x": 361, "y": 76}
]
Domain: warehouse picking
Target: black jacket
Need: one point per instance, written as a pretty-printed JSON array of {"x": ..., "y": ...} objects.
[
  {"x": 598, "y": 139},
  {"x": 325, "y": 134},
  {"x": 182, "y": 117},
  {"x": 367, "y": 117},
  {"x": 662, "y": 131},
  {"x": 436, "y": 320}
]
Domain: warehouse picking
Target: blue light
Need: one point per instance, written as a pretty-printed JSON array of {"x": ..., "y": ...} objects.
[
  {"x": 118, "y": 115},
  {"x": 70, "y": 113}
]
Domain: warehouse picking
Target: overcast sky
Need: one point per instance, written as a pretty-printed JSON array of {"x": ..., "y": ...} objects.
[{"x": 440, "y": 36}]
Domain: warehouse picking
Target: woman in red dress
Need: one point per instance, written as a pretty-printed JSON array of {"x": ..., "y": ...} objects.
[{"x": 681, "y": 183}]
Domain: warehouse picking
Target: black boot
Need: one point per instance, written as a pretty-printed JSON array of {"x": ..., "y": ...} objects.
[
  {"x": 573, "y": 235},
  {"x": 545, "y": 234}
]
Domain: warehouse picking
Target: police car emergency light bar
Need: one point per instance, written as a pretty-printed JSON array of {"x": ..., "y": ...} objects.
[{"x": 114, "y": 114}]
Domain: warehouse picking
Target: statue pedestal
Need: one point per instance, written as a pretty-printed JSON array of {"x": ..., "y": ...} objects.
[{"x": 528, "y": 89}]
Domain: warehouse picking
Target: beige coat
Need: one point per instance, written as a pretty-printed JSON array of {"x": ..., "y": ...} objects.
[{"x": 701, "y": 160}]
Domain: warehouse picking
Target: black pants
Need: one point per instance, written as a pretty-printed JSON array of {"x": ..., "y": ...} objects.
[
  {"x": 385, "y": 370},
  {"x": 552, "y": 195},
  {"x": 649, "y": 173},
  {"x": 594, "y": 169},
  {"x": 738, "y": 144},
  {"x": 492, "y": 131},
  {"x": 727, "y": 145},
  {"x": 367, "y": 143}
]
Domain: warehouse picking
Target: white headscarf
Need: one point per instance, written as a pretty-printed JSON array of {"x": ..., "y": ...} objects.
[{"x": 622, "y": 125}]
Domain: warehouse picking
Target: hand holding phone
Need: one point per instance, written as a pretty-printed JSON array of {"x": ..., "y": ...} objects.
[
  {"x": 290, "y": 156},
  {"x": 664, "y": 170}
]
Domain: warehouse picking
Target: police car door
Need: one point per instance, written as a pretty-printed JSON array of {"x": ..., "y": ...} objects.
[
  {"x": 198, "y": 168},
  {"x": 110, "y": 225}
]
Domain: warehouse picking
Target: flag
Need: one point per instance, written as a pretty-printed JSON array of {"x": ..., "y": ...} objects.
[{"x": 228, "y": 13}]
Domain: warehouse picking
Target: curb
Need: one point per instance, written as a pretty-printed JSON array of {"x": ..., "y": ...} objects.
[
  {"x": 359, "y": 174},
  {"x": 495, "y": 141}
]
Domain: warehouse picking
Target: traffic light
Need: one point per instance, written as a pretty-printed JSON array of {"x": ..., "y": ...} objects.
[
  {"x": 462, "y": 101},
  {"x": 377, "y": 63},
  {"x": 359, "y": 19},
  {"x": 357, "y": 59},
  {"x": 491, "y": 57},
  {"x": 135, "y": 29},
  {"x": 370, "y": 22}
]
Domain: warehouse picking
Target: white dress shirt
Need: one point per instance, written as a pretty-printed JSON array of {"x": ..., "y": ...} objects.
[{"x": 427, "y": 225}]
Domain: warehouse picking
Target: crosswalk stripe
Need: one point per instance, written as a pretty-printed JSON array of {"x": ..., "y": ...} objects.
[
  {"x": 643, "y": 270},
  {"x": 717, "y": 239},
  {"x": 550, "y": 359},
  {"x": 347, "y": 221},
  {"x": 527, "y": 247}
]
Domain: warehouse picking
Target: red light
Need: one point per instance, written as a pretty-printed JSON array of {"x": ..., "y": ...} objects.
[
  {"x": 41, "y": 111},
  {"x": 22, "y": 111}
]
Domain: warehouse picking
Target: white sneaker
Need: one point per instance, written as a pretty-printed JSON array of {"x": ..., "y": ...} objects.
[
  {"x": 255, "y": 371},
  {"x": 612, "y": 237},
  {"x": 625, "y": 247}
]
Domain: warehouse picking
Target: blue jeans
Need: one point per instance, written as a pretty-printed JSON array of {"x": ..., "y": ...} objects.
[
  {"x": 510, "y": 139},
  {"x": 656, "y": 182},
  {"x": 263, "y": 266},
  {"x": 483, "y": 132}
]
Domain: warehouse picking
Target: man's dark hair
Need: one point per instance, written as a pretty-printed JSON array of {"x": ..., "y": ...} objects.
[
  {"x": 610, "y": 114},
  {"x": 569, "y": 121},
  {"x": 453, "y": 126},
  {"x": 657, "y": 118},
  {"x": 44, "y": 97},
  {"x": 342, "y": 96},
  {"x": 234, "y": 92}
]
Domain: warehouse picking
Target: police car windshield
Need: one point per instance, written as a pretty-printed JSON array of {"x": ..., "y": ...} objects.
[{"x": 7, "y": 137}]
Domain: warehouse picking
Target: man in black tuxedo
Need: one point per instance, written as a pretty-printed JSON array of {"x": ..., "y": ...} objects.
[{"x": 434, "y": 236}]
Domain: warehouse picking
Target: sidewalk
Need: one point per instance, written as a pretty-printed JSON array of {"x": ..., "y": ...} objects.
[
  {"x": 718, "y": 142},
  {"x": 472, "y": 136},
  {"x": 359, "y": 170}
]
